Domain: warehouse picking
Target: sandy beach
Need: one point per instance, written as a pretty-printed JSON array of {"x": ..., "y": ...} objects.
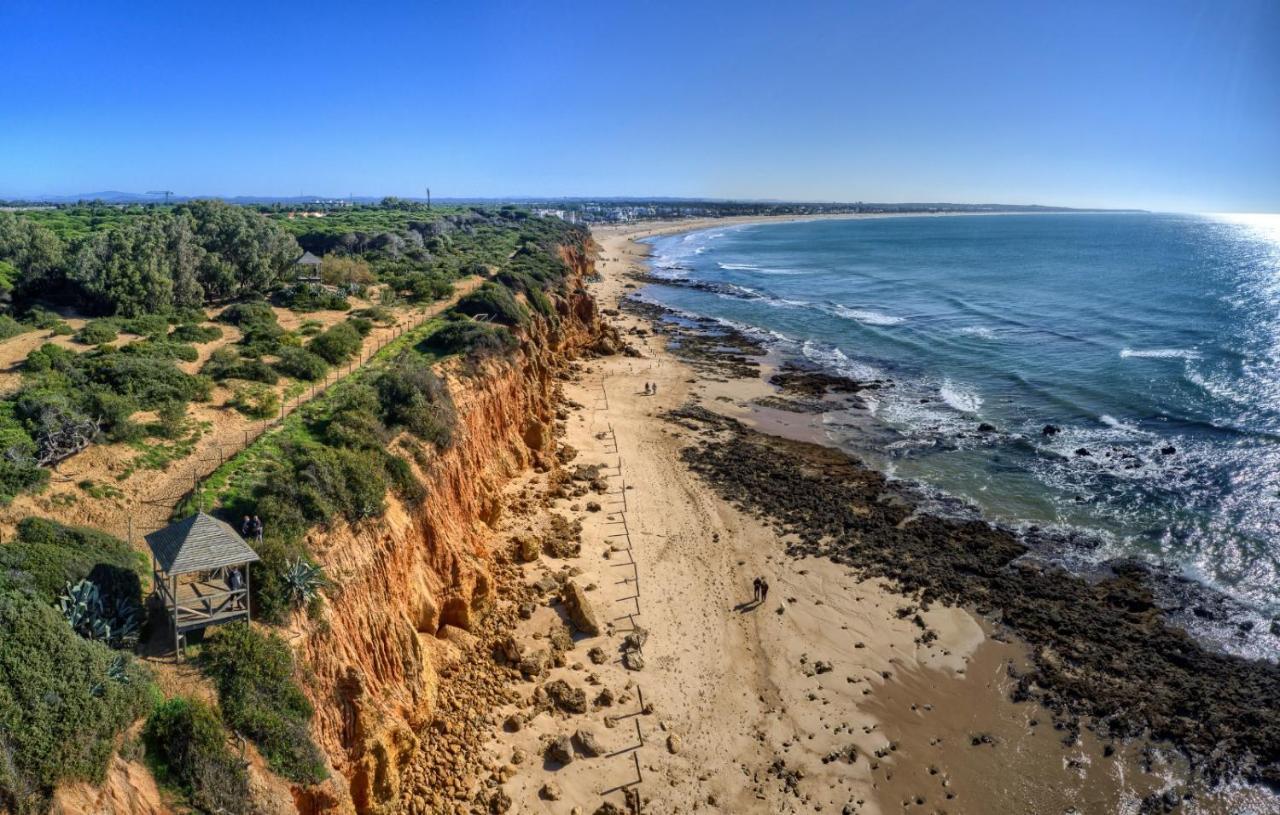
[{"x": 826, "y": 697}]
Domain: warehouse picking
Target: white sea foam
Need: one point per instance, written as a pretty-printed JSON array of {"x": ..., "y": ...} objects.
[
  {"x": 828, "y": 356},
  {"x": 979, "y": 331},
  {"x": 753, "y": 268},
  {"x": 1160, "y": 353},
  {"x": 959, "y": 398},
  {"x": 1117, "y": 424},
  {"x": 866, "y": 316}
]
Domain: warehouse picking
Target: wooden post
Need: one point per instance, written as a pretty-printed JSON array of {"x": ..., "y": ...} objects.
[
  {"x": 177, "y": 647},
  {"x": 248, "y": 609}
]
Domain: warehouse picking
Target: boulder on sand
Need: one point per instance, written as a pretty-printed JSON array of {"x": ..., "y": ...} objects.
[{"x": 578, "y": 608}]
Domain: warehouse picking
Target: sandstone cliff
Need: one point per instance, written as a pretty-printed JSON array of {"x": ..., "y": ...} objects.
[{"x": 403, "y": 585}]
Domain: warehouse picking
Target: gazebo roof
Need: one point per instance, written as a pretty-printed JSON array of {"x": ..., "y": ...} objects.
[
  {"x": 198, "y": 543},
  {"x": 308, "y": 259}
]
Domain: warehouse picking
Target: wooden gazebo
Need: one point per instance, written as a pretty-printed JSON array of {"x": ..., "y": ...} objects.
[
  {"x": 201, "y": 569},
  {"x": 308, "y": 268}
]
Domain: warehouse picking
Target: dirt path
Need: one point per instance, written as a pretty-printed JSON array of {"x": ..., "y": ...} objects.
[{"x": 129, "y": 499}]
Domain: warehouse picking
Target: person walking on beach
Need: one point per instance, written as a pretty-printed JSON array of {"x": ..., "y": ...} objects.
[
  {"x": 755, "y": 591},
  {"x": 764, "y": 589}
]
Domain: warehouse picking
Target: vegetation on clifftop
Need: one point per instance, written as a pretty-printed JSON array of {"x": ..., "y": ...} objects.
[{"x": 63, "y": 699}]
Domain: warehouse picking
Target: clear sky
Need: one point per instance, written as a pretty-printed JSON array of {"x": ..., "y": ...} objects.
[{"x": 1172, "y": 104}]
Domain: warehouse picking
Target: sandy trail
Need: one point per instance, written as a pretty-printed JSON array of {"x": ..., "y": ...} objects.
[{"x": 765, "y": 701}]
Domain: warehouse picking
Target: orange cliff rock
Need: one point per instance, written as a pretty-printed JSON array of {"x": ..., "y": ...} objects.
[{"x": 373, "y": 665}]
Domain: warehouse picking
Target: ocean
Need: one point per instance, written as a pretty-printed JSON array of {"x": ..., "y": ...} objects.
[{"x": 1151, "y": 342}]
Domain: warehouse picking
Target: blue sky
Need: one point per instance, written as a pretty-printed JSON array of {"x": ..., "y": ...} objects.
[{"x": 1171, "y": 105}]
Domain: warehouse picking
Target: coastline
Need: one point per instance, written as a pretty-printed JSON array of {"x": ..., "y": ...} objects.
[{"x": 841, "y": 693}]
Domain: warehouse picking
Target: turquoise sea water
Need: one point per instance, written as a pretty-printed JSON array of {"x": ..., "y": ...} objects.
[{"x": 1152, "y": 341}]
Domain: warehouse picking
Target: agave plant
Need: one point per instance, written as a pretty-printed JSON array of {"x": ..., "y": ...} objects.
[
  {"x": 302, "y": 581},
  {"x": 90, "y": 616}
]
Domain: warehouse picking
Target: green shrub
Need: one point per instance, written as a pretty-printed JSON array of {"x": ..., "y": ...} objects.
[
  {"x": 336, "y": 345},
  {"x": 354, "y": 419},
  {"x": 362, "y": 326},
  {"x": 427, "y": 288},
  {"x": 301, "y": 364},
  {"x": 45, "y": 320},
  {"x": 193, "y": 333},
  {"x": 50, "y": 555},
  {"x": 317, "y": 484},
  {"x": 63, "y": 701},
  {"x": 243, "y": 315},
  {"x": 187, "y": 316},
  {"x": 377, "y": 314},
  {"x": 96, "y": 332},
  {"x": 161, "y": 349},
  {"x": 187, "y": 749},
  {"x": 256, "y": 401},
  {"x": 471, "y": 338},
  {"x": 50, "y": 357},
  {"x": 494, "y": 302},
  {"x": 257, "y": 322},
  {"x": 171, "y": 420},
  {"x": 403, "y": 482},
  {"x": 225, "y": 363},
  {"x": 412, "y": 396},
  {"x": 10, "y": 327},
  {"x": 150, "y": 380},
  {"x": 311, "y": 298},
  {"x": 146, "y": 325},
  {"x": 259, "y": 697},
  {"x": 533, "y": 292}
]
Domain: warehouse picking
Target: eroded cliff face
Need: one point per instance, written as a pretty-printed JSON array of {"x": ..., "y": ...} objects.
[{"x": 402, "y": 587}]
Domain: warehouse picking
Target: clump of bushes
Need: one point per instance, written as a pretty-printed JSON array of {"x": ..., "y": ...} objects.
[
  {"x": 145, "y": 325},
  {"x": 362, "y": 326},
  {"x": 410, "y": 395},
  {"x": 10, "y": 327},
  {"x": 337, "y": 344},
  {"x": 378, "y": 314},
  {"x": 225, "y": 363},
  {"x": 257, "y": 322},
  {"x": 96, "y": 332},
  {"x": 532, "y": 290},
  {"x": 187, "y": 748},
  {"x": 195, "y": 333},
  {"x": 496, "y": 302},
  {"x": 304, "y": 298},
  {"x": 301, "y": 364},
  {"x": 68, "y": 401},
  {"x": 48, "y": 556},
  {"x": 46, "y": 320},
  {"x": 162, "y": 349},
  {"x": 255, "y": 400},
  {"x": 472, "y": 338},
  {"x": 63, "y": 699},
  {"x": 259, "y": 698}
]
